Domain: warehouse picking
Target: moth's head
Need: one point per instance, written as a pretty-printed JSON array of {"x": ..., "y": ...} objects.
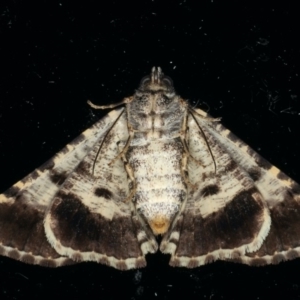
[{"x": 156, "y": 81}]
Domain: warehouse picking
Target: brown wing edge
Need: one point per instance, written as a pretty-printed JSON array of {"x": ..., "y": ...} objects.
[
  {"x": 241, "y": 225},
  {"x": 23, "y": 237},
  {"x": 82, "y": 235}
]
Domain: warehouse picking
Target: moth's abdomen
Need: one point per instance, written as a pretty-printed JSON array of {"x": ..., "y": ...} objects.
[{"x": 160, "y": 187}]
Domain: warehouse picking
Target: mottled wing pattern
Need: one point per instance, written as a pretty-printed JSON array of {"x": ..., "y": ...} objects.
[
  {"x": 23, "y": 206},
  {"x": 85, "y": 205},
  {"x": 91, "y": 217},
  {"x": 246, "y": 210}
]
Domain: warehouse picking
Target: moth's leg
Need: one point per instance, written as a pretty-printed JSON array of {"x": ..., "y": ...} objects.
[
  {"x": 187, "y": 152},
  {"x": 184, "y": 133},
  {"x": 204, "y": 136},
  {"x": 184, "y": 171},
  {"x": 124, "y": 101},
  {"x": 130, "y": 174},
  {"x": 129, "y": 170},
  {"x": 125, "y": 148},
  {"x": 193, "y": 111},
  {"x": 103, "y": 141}
]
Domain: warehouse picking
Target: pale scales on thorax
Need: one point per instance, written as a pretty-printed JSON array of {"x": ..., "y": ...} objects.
[{"x": 155, "y": 167}]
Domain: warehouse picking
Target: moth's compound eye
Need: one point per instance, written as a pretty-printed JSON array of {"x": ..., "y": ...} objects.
[
  {"x": 168, "y": 81},
  {"x": 145, "y": 80}
]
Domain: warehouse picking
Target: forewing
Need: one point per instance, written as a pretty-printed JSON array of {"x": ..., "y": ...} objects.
[
  {"x": 91, "y": 217},
  {"x": 23, "y": 206},
  {"x": 246, "y": 211}
]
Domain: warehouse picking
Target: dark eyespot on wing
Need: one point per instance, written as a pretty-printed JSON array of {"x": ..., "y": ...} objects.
[
  {"x": 34, "y": 175},
  {"x": 254, "y": 173},
  {"x": 282, "y": 176},
  {"x": 210, "y": 190},
  {"x": 58, "y": 178},
  {"x": 261, "y": 162},
  {"x": 84, "y": 168},
  {"x": 11, "y": 192},
  {"x": 295, "y": 188},
  {"x": 231, "y": 166},
  {"x": 101, "y": 192}
]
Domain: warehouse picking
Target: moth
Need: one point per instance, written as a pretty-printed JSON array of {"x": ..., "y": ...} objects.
[{"x": 153, "y": 175}]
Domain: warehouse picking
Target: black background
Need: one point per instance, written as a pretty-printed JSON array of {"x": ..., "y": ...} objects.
[{"x": 236, "y": 59}]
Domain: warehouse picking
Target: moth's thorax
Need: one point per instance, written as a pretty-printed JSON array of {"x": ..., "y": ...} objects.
[
  {"x": 156, "y": 111},
  {"x": 156, "y": 115}
]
